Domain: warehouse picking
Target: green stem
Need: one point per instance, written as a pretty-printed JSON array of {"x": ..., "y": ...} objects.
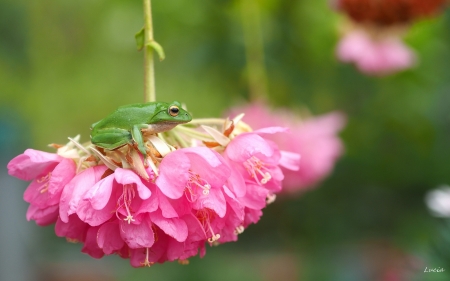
[
  {"x": 149, "y": 65},
  {"x": 193, "y": 133},
  {"x": 180, "y": 140},
  {"x": 203, "y": 121},
  {"x": 254, "y": 49}
]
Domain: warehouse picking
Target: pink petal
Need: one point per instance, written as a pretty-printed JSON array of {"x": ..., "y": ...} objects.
[
  {"x": 94, "y": 217},
  {"x": 271, "y": 130},
  {"x": 61, "y": 175},
  {"x": 33, "y": 195},
  {"x": 255, "y": 198},
  {"x": 191, "y": 250},
  {"x": 353, "y": 46},
  {"x": 318, "y": 143},
  {"x": 100, "y": 193},
  {"x": 379, "y": 56},
  {"x": 215, "y": 201},
  {"x": 247, "y": 145},
  {"x": 125, "y": 176},
  {"x": 32, "y": 163},
  {"x": 109, "y": 239},
  {"x": 274, "y": 184},
  {"x": 147, "y": 206},
  {"x": 202, "y": 250},
  {"x": 236, "y": 182},
  {"x": 168, "y": 211},
  {"x": 396, "y": 54},
  {"x": 90, "y": 246},
  {"x": 158, "y": 251},
  {"x": 207, "y": 155},
  {"x": 252, "y": 216},
  {"x": 195, "y": 229},
  {"x": 154, "y": 254},
  {"x": 173, "y": 174},
  {"x": 73, "y": 229},
  {"x": 234, "y": 204},
  {"x": 137, "y": 257},
  {"x": 43, "y": 193},
  {"x": 137, "y": 235},
  {"x": 174, "y": 250},
  {"x": 182, "y": 206},
  {"x": 43, "y": 217},
  {"x": 209, "y": 164},
  {"x": 74, "y": 191},
  {"x": 173, "y": 227},
  {"x": 290, "y": 160}
]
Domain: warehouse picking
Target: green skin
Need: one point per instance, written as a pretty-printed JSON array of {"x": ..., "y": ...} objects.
[{"x": 124, "y": 125}]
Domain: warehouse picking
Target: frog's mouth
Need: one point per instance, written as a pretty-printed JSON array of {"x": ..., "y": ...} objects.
[
  {"x": 161, "y": 127},
  {"x": 174, "y": 122}
]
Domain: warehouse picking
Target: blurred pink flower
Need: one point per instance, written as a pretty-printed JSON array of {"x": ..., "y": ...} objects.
[
  {"x": 314, "y": 138},
  {"x": 372, "y": 56},
  {"x": 373, "y": 36}
]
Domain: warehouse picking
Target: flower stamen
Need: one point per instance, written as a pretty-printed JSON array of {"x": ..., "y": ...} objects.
[
  {"x": 256, "y": 167},
  {"x": 271, "y": 198},
  {"x": 44, "y": 180},
  {"x": 183, "y": 262},
  {"x": 239, "y": 230},
  {"x": 205, "y": 217},
  {"x": 146, "y": 262},
  {"x": 126, "y": 197},
  {"x": 195, "y": 182}
]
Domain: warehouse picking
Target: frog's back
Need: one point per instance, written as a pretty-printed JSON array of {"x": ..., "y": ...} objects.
[{"x": 125, "y": 117}]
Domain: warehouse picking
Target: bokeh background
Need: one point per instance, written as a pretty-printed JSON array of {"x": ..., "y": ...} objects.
[{"x": 67, "y": 64}]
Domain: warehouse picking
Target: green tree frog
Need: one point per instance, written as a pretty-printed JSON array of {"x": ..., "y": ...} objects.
[{"x": 125, "y": 124}]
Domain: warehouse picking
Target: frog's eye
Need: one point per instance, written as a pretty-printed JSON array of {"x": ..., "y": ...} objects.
[{"x": 174, "y": 110}]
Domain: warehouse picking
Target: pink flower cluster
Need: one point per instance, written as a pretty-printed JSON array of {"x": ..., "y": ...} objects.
[
  {"x": 200, "y": 196},
  {"x": 314, "y": 138},
  {"x": 380, "y": 56}
]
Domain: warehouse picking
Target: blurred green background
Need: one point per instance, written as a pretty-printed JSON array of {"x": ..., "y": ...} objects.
[{"x": 67, "y": 64}]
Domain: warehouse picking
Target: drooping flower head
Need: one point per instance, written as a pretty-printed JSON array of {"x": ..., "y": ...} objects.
[
  {"x": 389, "y": 12},
  {"x": 200, "y": 185},
  {"x": 372, "y": 39}
]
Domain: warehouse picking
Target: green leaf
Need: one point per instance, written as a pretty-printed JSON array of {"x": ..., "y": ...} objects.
[
  {"x": 158, "y": 48},
  {"x": 140, "y": 38}
]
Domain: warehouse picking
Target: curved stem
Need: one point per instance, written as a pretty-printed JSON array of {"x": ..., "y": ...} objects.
[{"x": 149, "y": 65}]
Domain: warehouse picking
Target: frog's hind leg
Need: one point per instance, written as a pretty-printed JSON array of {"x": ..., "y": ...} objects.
[{"x": 111, "y": 138}]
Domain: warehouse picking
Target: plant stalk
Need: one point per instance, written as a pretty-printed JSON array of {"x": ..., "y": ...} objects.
[
  {"x": 149, "y": 64},
  {"x": 254, "y": 50}
]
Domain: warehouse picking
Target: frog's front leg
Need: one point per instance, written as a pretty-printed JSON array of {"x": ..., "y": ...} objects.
[
  {"x": 137, "y": 137},
  {"x": 111, "y": 138}
]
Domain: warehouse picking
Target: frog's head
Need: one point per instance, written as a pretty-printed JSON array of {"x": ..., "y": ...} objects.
[{"x": 170, "y": 113}]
